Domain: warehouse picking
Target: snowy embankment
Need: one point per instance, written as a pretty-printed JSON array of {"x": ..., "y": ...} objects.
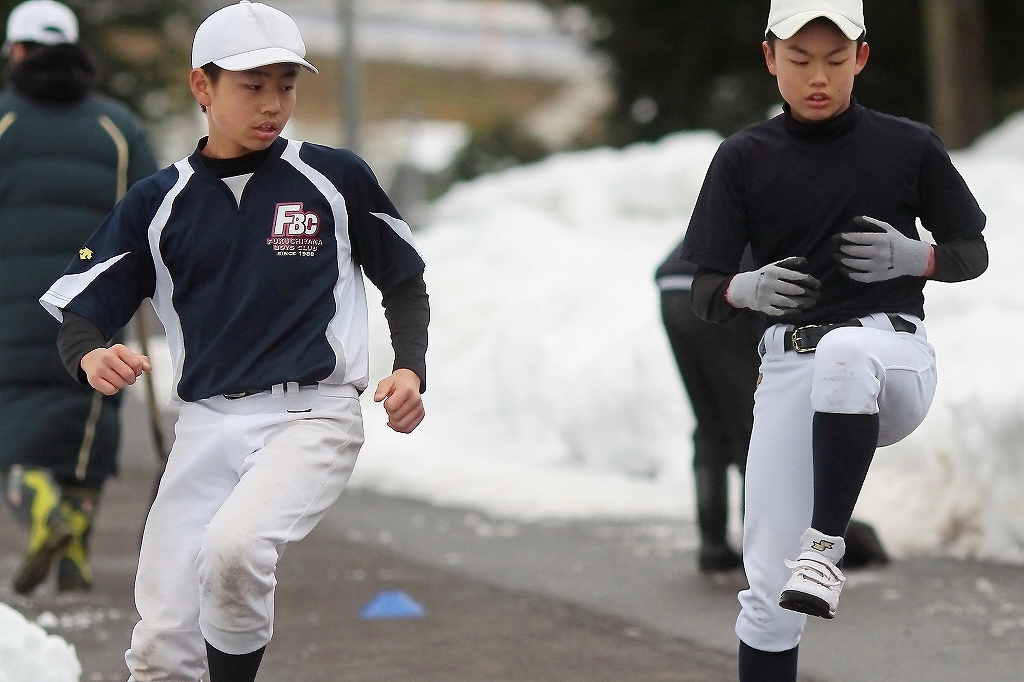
[
  {"x": 552, "y": 392},
  {"x": 28, "y": 654}
]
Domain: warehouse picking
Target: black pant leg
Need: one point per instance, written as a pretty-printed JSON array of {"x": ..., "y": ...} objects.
[{"x": 718, "y": 364}]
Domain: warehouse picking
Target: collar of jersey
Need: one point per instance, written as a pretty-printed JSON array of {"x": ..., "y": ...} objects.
[
  {"x": 837, "y": 126},
  {"x": 204, "y": 173},
  {"x": 274, "y": 152}
]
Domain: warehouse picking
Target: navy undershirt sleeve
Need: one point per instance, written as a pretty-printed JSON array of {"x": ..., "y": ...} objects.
[
  {"x": 707, "y": 298},
  {"x": 78, "y": 337},
  {"x": 960, "y": 260},
  {"x": 407, "y": 309}
]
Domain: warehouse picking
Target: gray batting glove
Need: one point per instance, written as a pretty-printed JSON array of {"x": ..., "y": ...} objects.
[
  {"x": 878, "y": 252},
  {"x": 776, "y": 289}
]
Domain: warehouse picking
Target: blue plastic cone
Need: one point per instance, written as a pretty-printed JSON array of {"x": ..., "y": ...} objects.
[{"x": 392, "y": 604}]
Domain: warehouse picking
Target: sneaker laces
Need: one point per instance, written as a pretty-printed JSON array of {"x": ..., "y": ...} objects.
[{"x": 810, "y": 568}]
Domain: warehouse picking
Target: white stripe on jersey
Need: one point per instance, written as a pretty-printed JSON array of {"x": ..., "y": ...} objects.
[
  {"x": 69, "y": 286},
  {"x": 401, "y": 228},
  {"x": 347, "y": 308},
  {"x": 164, "y": 290}
]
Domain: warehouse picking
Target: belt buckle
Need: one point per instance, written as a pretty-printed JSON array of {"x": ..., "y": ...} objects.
[
  {"x": 242, "y": 394},
  {"x": 798, "y": 338}
]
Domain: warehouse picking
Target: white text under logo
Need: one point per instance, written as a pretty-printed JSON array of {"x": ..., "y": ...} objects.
[{"x": 294, "y": 232}]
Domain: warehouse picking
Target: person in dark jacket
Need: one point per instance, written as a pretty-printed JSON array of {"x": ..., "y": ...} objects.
[
  {"x": 66, "y": 157},
  {"x": 718, "y": 364}
]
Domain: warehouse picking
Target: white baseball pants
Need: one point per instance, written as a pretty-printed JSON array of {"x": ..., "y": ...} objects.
[
  {"x": 244, "y": 478},
  {"x": 855, "y": 370}
]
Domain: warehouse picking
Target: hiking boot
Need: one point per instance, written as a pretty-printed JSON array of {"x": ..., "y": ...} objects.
[
  {"x": 73, "y": 574},
  {"x": 864, "y": 548},
  {"x": 49, "y": 529},
  {"x": 816, "y": 583},
  {"x": 73, "y": 571}
]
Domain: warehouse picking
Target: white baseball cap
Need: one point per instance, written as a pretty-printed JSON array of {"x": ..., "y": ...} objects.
[
  {"x": 41, "y": 21},
  {"x": 786, "y": 17},
  {"x": 247, "y": 35}
]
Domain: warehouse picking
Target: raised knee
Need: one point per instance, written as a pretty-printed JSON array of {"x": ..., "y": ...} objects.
[
  {"x": 847, "y": 378},
  {"x": 226, "y": 545},
  {"x": 840, "y": 351},
  {"x": 233, "y": 565}
]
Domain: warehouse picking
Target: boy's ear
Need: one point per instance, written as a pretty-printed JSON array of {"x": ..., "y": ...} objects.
[
  {"x": 769, "y": 57},
  {"x": 200, "y": 85},
  {"x": 18, "y": 52},
  {"x": 862, "y": 57}
]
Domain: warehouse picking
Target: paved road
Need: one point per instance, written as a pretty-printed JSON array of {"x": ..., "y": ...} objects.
[
  {"x": 919, "y": 620},
  {"x": 474, "y": 631},
  {"x": 552, "y": 601}
]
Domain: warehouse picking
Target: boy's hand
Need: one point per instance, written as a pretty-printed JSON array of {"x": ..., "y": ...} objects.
[
  {"x": 401, "y": 395},
  {"x": 776, "y": 289},
  {"x": 877, "y": 252},
  {"x": 111, "y": 369}
]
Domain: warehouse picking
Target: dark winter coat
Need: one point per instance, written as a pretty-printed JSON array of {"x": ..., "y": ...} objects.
[{"x": 66, "y": 156}]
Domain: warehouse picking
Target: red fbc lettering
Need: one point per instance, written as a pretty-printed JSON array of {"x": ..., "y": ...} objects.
[{"x": 291, "y": 220}]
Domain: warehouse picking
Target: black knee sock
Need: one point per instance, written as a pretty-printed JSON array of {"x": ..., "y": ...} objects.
[
  {"x": 767, "y": 666},
  {"x": 233, "y": 668},
  {"x": 843, "y": 446}
]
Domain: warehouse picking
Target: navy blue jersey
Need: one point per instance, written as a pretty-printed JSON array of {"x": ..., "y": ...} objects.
[
  {"x": 785, "y": 188},
  {"x": 261, "y": 290}
]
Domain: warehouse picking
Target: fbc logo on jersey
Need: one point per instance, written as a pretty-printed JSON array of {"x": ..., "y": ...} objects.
[
  {"x": 291, "y": 220},
  {"x": 295, "y": 230}
]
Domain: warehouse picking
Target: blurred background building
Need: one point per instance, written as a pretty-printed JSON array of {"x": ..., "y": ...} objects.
[{"x": 422, "y": 76}]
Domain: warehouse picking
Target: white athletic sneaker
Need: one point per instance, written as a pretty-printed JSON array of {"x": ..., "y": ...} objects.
[{"x": 816, "y": 583}]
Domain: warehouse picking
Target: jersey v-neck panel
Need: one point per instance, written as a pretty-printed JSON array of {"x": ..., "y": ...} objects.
[
  {"x": 237, "y": 183},
  {"x": 219, "y": 171}
]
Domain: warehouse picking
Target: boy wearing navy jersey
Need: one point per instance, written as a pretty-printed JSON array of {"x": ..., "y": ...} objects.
[
  {"x": 827, "y": 195},
  {"x": 253, "y": 250}
]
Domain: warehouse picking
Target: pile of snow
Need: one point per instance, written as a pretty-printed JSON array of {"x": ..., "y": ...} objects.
[
  {"x": 552, "y": 392},
  {"x": 28, "y": 654},
  {"x": 1006, "y": 141}
]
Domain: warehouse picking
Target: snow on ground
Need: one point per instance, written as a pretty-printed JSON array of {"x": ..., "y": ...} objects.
[
  {"x": 552, "y": 392},
  {"x": 28, "y": 654}
]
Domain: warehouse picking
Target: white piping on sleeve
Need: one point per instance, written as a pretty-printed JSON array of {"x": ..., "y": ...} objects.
[
  {"x": 65, "y": 289},
  {"x": 401, "y": 228}
]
